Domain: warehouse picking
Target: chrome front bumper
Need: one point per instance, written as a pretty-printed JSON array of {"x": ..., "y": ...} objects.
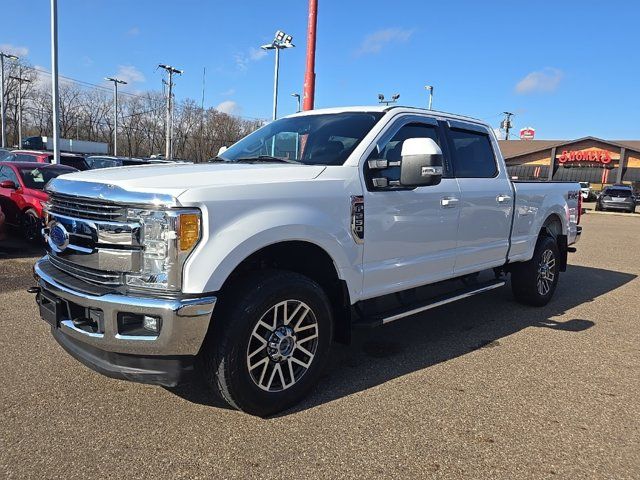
[{"x": 184, "y": 321}]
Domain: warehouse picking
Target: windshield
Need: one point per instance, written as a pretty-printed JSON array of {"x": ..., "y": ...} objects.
[
  {"x": 37, "y": 178},
  {"x": 617, "y": 192},
  {"x": 325, "y": 139}
]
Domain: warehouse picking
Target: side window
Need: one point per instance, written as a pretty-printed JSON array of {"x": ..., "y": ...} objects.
[
  {"x": 392, "y": 151},
  {"x": 7, "y": 174},
  {"x": 473, "y": 156}
]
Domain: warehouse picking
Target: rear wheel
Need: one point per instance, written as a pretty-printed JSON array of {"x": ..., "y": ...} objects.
[
  {"x": 269, "y": 344},
  {"x": 30, "y": 225},
  {"x": 535, "y": 281}
]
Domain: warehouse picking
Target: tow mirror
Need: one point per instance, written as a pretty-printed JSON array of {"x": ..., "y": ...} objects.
[
  {"x": 222, "y": 149},
  {"x": 10, "y": 184},
  {"x": 421, "y": 163}
]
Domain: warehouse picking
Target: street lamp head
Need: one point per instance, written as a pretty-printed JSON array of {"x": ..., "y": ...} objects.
[
  {"x": 282, "y": 37},
  {"x": 429, "y": 87},
  {"x": 395, "y": 97},
  {"x": 10, "y": 56},
  {"x": 381, "y": 97},
  {"x": 297, "y": 95}
]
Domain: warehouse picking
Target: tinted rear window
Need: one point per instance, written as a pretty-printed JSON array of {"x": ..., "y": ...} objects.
[{"x": 617, "y": 192}]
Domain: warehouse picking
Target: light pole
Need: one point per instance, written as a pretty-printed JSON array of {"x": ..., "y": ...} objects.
[
  {"x": 281, "y": 40},
  {"x": 2, "y": 104},
  {"x": 168, "y": 148},
  {"x": 430, "y": 88},
  {"x": 55, "y": 98},
  {"x": 115, "y": 111},
  {"x": 20, "y": 80},
  {"x": 394, "y": 99},
  {"x": 297, "y": 97}
]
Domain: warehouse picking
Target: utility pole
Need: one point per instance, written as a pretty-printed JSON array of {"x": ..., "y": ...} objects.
[
  {"x": 55, "y": 98},
  {"x": 20, "y": 80},
  {"x": 168, "y": 148},
  {"x": 282, "y": 40},
  {"x": 115, "y": 111},
  {"x": 430, "y": 88},
  {"x": 3, "y": 107},
  {"x": 310, "y": 71},
  {"x": 506, "y": 124}
]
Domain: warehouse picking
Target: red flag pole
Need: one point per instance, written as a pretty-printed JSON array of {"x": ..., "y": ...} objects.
[{"x": 310, "y": 73}]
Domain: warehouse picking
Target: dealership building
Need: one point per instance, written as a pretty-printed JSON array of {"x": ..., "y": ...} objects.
[{"x": 589, "y": 159}]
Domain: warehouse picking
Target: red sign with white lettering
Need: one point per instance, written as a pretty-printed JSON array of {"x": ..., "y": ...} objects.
[{"x": 596, "y": 156}]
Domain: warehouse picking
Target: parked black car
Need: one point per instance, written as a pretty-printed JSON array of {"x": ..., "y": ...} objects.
[
  {"x": 617, "y": 197},
  {"x": 107, "y": 161}
]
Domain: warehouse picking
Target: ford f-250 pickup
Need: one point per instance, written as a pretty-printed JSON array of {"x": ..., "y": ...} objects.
[{"x": 246, "y": 269}]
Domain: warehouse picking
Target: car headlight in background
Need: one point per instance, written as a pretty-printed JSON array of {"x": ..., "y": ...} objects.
[{"x": 168, "y": 237}]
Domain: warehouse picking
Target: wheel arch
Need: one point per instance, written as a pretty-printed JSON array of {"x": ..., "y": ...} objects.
[{"x": 308, "y": 259}]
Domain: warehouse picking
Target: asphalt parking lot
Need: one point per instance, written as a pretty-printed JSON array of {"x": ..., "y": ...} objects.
[{"x": 484, "y": 388}]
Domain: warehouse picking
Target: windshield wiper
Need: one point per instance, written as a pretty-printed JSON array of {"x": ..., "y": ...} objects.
[{"x": 267, "y": 158}]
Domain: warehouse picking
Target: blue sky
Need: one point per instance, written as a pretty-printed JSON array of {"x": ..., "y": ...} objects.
[{"x": 567, "y": 68}]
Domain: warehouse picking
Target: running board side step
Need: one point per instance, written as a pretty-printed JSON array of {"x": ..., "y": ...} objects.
[{"x": 460, "y": 294}]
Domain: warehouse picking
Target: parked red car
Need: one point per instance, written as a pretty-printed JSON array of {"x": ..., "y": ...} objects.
[
  {"x": 72, "y": 160},
  {"x": 22, "y": 193}
]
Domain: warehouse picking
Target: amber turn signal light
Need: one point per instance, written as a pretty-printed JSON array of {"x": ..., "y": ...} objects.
[{"x": 189, "y": 230}]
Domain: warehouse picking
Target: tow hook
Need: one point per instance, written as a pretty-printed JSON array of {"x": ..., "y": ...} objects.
[{"x": 35, "y": 290}]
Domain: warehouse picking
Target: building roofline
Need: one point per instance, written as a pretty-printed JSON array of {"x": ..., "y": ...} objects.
[{"x": 570, "y": 142}]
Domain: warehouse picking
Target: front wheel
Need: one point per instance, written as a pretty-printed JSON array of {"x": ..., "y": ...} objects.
[
  {"x": 535, "y": 281},
  {"x": 267, "y": 348},
  {"x": 30, "y": 225}
]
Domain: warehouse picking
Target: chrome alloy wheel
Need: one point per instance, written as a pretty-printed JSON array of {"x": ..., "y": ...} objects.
[
  {"x": 282, "y": 345},
  {"x": 546, "y": 272}
]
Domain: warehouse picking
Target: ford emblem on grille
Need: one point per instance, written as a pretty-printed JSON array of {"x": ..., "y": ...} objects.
[{"x": 58, "y": 237}]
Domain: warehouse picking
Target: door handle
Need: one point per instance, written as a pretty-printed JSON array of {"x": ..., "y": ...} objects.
[
  {"x": 449, "y": 202},
  {"x": 502, "y": 198}
]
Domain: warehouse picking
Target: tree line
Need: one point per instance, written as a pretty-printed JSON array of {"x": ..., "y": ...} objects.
[{"x": 86, "y": 113}]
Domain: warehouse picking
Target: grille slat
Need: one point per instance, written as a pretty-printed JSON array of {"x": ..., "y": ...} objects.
[
  {"x": 83, "y": 208},
  {"x": 97, "y": 277}
]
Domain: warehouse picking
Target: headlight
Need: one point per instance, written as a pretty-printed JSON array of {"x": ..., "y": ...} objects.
[{"x": 168, "y": 237}]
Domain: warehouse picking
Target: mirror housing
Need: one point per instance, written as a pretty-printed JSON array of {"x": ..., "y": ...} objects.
[
  {"x": 421, "y": 163},
  {"x": 8, "y": 184},
  {"x": 222, "y": 149}
]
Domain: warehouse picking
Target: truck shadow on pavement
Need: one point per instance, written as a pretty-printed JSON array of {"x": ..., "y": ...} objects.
[{"x": 379, "y": 355}]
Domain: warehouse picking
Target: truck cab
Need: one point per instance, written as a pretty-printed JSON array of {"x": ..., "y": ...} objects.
[{"x": 249, "y": 267}]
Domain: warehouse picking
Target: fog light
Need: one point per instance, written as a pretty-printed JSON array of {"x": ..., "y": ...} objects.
[{"x": 151, "y": 323}]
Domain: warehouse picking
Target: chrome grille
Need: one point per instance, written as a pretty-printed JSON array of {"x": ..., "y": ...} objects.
[
  {"x": 97, "y": 277},
  {"x": 86, "y": 208}
]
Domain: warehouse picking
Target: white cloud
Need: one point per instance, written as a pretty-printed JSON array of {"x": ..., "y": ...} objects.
[
  {"x": 251, "y": 55},
  {"x": 14, "y": 49},
  {"x": 130, "y": 74},
  {"x": 545, "y": 80},
  {"x": 229, "y": 107},
  {"x": 133, "y": 32},
  {"x": 376, "y": 41}
]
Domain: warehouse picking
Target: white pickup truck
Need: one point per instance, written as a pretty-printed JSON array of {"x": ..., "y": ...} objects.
[{"x": 247, "y": 268}]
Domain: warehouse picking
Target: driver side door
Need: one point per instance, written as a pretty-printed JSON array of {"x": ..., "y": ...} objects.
[{"x": 410, "y": 233}]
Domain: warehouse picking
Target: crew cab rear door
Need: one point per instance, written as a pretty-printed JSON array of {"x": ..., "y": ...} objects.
[
  {"x": 410, "y": 233},
  {"x": 486, "y": 198}
]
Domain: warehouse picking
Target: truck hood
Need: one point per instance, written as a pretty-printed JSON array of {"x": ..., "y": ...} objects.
[{"x": 176, "y": 179}]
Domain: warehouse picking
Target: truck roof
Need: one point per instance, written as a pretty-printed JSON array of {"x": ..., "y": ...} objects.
[{"x": 388, "y": 108}]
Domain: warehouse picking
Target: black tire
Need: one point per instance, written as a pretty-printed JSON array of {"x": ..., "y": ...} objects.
[
  {"x": 530, "y": 281},
  {"x": 225, "y": 363},
  {"x": 30, "y": 225},
  {"x": 598, "y": 208}
]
